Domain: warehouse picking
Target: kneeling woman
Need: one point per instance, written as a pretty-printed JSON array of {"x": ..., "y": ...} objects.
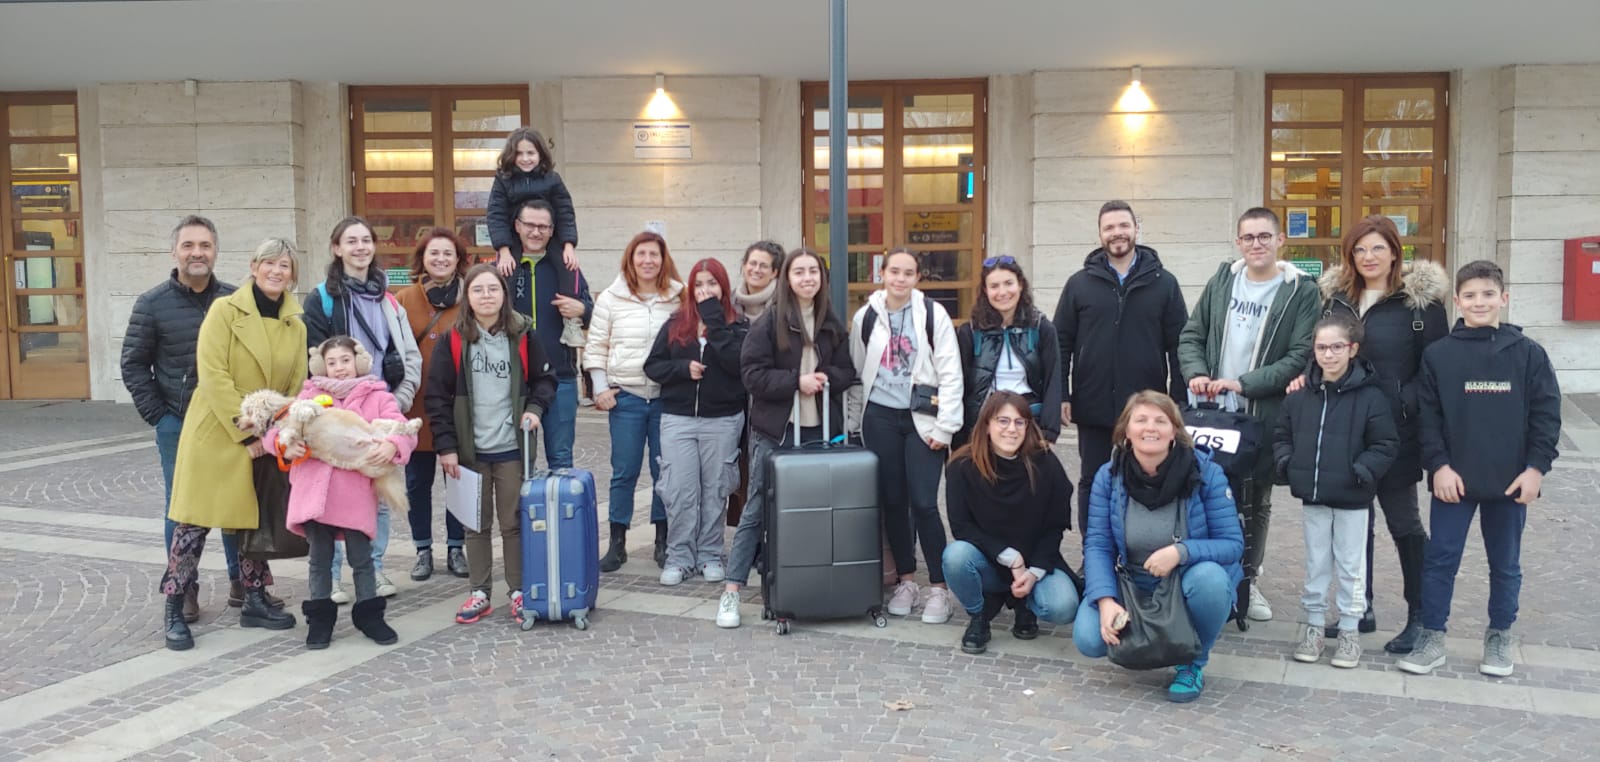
[
  {"x": 1154, "y": 472},
  {"x": 1009, "y": 501}
]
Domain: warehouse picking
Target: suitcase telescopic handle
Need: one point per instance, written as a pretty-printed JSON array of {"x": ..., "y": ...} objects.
[
  {"x": 794, "y": 417},
  {"x": 530, "y": 452}
]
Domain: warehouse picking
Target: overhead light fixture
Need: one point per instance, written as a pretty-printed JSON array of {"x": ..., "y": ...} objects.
[
  {"x": 1138, "y": 74},
  {"x": 661, "y": 106}
]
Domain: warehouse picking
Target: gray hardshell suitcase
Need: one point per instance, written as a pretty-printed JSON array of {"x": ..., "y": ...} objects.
[{"x": 823, "y": 555}]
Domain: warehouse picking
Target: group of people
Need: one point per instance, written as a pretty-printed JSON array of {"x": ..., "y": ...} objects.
[{"x": 1357, "y": 378}]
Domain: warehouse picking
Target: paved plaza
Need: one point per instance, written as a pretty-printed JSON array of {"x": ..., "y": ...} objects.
[{"x": 86, "y": 676}]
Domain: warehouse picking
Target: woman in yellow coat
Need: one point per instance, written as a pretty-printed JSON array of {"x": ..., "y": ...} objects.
[{"x": 252, "y": 339}]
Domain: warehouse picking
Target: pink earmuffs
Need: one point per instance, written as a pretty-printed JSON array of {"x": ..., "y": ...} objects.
[{"x": 318, "y": 368}]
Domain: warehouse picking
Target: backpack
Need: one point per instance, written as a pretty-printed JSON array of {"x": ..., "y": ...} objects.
[
  {"x": 870, "y": 319},
  {"x": 1030, "y": 344},
  {"x": 455, "y": 351}
]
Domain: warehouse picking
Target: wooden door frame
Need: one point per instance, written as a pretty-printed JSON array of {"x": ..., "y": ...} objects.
[
  {"x": 441, "y": 136},
  {"x": 1352, "y": 149},
  {"x": 893, "y": 171},
  {"x": 74, "y": 377}
]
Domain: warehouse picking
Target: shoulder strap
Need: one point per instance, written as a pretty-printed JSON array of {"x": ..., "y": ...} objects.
[
  {"x": 927, "y": 306},
  {"x": 868, "y": 320},
  {"x": 522, "y": 351},
  {"x": 455, "y": 349},
  {"x": 327, "y": 301}
]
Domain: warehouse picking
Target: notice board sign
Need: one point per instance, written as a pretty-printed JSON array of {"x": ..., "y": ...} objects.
[{"x": 662, "y": 140}]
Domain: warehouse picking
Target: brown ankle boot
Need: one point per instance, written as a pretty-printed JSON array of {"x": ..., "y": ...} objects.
[{"x": 191, "y": 606}]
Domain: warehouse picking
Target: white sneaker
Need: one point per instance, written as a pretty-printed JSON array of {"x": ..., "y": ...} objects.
[
  {"x": 340, "y": 595},
  {"x": 937, "y": 609},
  {"x": 903, "y": 598},
  {"x": 713, "y": 572},
  {"x": 386, "y": 589},
  {"x": 728, "y": 610},
  {"x": 1259, "y": 610},
  {"x": 673, "y": 575}
]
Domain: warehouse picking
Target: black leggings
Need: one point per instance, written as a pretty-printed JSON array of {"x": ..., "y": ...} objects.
[{"x": 908, "y": 488}]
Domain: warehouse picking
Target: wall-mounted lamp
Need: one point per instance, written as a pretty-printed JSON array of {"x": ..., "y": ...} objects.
[
  {"x": 1138, "y": 75},
  {"x": 661, "y": 105}
]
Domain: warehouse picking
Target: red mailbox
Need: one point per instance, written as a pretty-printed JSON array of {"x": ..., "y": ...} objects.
[{"x": 1580, "y": 288}]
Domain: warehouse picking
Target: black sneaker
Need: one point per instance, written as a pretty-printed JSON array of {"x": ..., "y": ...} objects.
[
  {"x": 423, "y": 568},
  {"x": 456, "y": 562},
  {"x": 976, "y": 639},
  {"x": 1027, "y": 624}
]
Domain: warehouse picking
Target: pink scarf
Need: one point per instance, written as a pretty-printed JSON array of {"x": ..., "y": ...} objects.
[{"x": 337, "y": 388}]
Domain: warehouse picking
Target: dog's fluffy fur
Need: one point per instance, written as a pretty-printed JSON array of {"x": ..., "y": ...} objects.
[{"x": 337, "y": 437}]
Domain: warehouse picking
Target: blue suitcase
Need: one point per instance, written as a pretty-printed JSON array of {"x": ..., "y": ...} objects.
[{"x": 560, "y": 543}]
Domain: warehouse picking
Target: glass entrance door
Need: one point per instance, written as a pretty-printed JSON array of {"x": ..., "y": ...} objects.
[
  {"x": 916, "y": 179},
  {"x": 45, "y": 332}
]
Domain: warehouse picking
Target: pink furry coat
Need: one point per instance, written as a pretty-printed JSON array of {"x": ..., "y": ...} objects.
[{"x": 333, "y": 496}]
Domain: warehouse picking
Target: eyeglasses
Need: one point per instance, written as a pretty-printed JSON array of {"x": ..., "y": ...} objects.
[
  {"x": 1337, "y": 348},
  {"x": 536, "y": 227},
  {"x": 1261, "y": 238},
  {"x": 758, "y": 266},
  {"x": 1003, "y": 259},
  {"x": 1007, "y": 422}
]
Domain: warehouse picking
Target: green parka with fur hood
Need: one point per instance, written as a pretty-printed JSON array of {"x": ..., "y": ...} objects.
[{"x": 1281, "y": 353}]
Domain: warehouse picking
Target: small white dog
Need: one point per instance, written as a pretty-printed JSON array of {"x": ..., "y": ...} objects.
[{"x": 340, "y": 438}]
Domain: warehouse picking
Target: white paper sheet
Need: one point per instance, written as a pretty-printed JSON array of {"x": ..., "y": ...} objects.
[{"x": 463, "y": 496}]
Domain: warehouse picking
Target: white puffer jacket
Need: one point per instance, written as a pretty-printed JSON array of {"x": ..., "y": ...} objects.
[{"x": 621, "y": 332}]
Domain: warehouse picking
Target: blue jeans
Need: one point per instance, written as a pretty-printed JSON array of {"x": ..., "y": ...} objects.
[
  {"x": 970, "y": 575},
  {"x": 635, "y": 423},
  {"x": 420, "y": 472},
  {"x": 560, "y": 425},
  {"x": 1502, "y": 524},
  {"x": 1206, "y": 592},
  {"x": 167, "y": 431},
  {"x": 380, "y": 545}
]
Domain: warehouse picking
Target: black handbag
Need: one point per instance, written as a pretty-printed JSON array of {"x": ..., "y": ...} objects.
[
  {"x": 271, "y": 539},
  {"x": 925, "y": 399},
  {"x": 1159, "y": 632},
  {"x": 1233, "y": 437}
]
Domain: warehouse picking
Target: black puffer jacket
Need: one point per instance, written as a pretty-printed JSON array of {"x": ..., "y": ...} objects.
[
  {"x": 158, "y": 365},
  {"x": 1334, "y": 441},
  {"x": 1118, "y": 338},
  {"x": 1036, "y": 345},
  {"x": 773, "y": 377},
  {"x": 720, "y": 391},
  {"x": 508, "y": 194},
  {"x": 1398, "y": 329}
]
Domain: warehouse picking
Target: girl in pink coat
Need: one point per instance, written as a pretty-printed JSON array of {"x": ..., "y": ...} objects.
[{"x": 327, "y": 503}]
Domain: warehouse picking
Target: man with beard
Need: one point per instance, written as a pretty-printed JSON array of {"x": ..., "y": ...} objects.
[
  {"x": 1118, "y": 323},
  {"x": 158, "y": 362}
]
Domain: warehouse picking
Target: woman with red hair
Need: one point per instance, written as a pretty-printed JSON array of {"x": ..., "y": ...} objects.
[
  {"x": 627, "y": 317},
  {"x": 695, "y": 359}
]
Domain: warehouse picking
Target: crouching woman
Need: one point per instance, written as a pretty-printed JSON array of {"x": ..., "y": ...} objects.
[
  {"x": 1154, "y": 472},
  {"x": 1009, "y": 501}
]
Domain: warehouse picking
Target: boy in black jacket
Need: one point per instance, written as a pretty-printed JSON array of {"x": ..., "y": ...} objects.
[
  {"x": 1335, "y": 439},
  {"x": 1491, "y": 415}
]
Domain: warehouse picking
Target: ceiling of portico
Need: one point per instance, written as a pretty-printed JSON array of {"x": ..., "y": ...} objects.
[{"x": 63, "y": 44}]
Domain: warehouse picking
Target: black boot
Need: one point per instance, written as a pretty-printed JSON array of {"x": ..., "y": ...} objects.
[
  {"x": 320, "y": 617},
  {"x": 1412, "y": 550},
  {"x": 618, "y": 554},
  {"x": 976, "y": 639},
  {"x": 256, "y": 612},
  {"x": 1407, "y": 639},
  {"x": 661, "y": 544},
  {"x": 1026, "y": 626},
  {"x": 178, "y": 637},
  {"x": 367, "y": 616}
]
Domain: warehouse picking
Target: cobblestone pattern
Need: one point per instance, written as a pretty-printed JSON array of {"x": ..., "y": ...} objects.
[{"x": 638, "y": 686}]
